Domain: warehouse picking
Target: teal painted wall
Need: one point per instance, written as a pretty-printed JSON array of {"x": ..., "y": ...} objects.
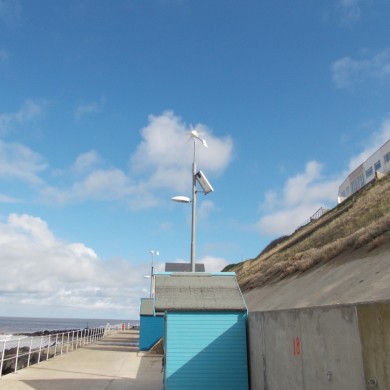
[
  {"x": 151, "y": 330},
  {"x": 205, "y": 351}
]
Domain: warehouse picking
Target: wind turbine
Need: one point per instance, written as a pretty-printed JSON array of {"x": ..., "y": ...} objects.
[{"x": 195, "y": 135}]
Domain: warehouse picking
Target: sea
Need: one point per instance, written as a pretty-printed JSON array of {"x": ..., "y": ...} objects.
[{"x": 12, "y": 326}]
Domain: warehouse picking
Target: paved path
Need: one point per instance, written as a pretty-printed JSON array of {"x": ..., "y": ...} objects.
[{"x": 111, "y": 364}]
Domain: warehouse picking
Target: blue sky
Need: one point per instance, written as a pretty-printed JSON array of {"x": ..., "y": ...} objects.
[{"x": 96, "y": 102}]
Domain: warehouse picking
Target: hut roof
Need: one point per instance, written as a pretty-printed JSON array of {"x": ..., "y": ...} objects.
[{"x": 198, "y": 291}]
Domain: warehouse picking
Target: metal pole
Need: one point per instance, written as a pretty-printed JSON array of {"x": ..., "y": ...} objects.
[
  {"x": 193, "y": 213},
  {"x": 29, "y": 352},
  {"x": 151, "y": 276},
  {"x": 2, "y": 358},
  {"x": 17, "y": 356},
  {"x": 72, "y": 340},
  {"x": 40, "y": 350},
  {"x": 152, "y": 283},
  {"x": 48, "y": 347},
  {"x": 153, "y": 252}
]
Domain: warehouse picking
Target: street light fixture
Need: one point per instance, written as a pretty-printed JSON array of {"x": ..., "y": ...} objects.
[
  {"x": 206, "y": 187},
  {"x": 181, "y": 199}
]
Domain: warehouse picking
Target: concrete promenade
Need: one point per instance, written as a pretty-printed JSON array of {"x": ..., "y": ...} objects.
[{"x": 112, "y": 363}]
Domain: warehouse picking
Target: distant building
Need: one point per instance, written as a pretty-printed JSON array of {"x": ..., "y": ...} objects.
[
  {"x": 183, "y": 267},
  {"x": 377, "y": 164}
]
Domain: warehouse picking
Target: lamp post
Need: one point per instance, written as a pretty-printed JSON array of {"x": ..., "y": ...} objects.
[
  {"x": 153, "y": 252},
  {"x": 183, "y": 199},
  {"x": 193, "y": 212}
]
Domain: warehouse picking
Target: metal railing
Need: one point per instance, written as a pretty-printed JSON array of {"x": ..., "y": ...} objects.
[
  {"x": 23, "y": 351},
  {"x": 318, "y": 214}
]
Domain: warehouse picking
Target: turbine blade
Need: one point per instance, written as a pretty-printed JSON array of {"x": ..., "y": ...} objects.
[
  {"x": 204, "y": 142},
  {"x": 195, "y": 134}
]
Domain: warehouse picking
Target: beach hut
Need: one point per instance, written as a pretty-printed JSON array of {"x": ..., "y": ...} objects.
[
  {"x": 204, "y": 330},
  {"x": 151, "y": 325}
]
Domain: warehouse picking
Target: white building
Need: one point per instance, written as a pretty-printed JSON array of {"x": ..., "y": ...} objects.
[{"x": 366, "y": 172}]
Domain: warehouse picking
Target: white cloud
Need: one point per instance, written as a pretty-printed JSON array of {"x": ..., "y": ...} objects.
[
  {"x": 161, "y": 163},
  {"x": 286, "y": 220},
  {"x": 345, "y": 12},
  {"x": 87, "y": 109},
  {"x": 35, "y": 227},
  {"x": 213, "y": 264},
  {"x": 7, "y": 199},
  {"x": 57, "y": 277},
  {"x": 350, "y": 11},
  {"x": 296, "y": 188},
  {"x": 100, "y": 184},
  {"x": 104, "y": 184},
  {"x": 377, "y": 140},
  {"x": 166, "y": 155},
  {"x": 304, "y": 193},
  {"x": 20, "y": 162},
  {"x": 86, "y": 162},
  {"x": 348, "y": 72},
  {"x": 31, "y": 110},
  {"x": 159, "y": 167},
  {"x": 270, "y": 200}
]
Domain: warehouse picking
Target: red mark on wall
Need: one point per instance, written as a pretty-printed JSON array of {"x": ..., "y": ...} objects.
[{"x": 296, "y": 346}]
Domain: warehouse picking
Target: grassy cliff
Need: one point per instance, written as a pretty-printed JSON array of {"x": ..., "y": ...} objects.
[{"x": 361, "y": 220}]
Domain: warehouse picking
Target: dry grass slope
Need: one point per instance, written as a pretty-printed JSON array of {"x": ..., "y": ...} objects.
[{"x": 362, "y": 219}]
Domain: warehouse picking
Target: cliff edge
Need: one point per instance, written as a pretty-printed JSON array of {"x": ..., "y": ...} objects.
[{"x": 341, "y": 257}]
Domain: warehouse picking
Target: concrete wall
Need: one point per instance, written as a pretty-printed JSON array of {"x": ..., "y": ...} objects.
[
  {"x": 374, "y": 325},
  {"x": 331, "y": 347}
]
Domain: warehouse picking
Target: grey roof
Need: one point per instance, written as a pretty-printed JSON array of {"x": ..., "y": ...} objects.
[
  {"x": 197, "y": 291},
  {"x": 183, "y": 267}
]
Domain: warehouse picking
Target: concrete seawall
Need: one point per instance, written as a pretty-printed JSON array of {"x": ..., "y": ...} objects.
[{"x": 328, "y": 347}]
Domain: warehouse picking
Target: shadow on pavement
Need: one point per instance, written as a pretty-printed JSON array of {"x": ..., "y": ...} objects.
[{"x": 110, "y": 364}]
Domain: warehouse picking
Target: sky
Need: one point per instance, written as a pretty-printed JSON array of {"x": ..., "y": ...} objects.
[{"x": 97, "y": 99}]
